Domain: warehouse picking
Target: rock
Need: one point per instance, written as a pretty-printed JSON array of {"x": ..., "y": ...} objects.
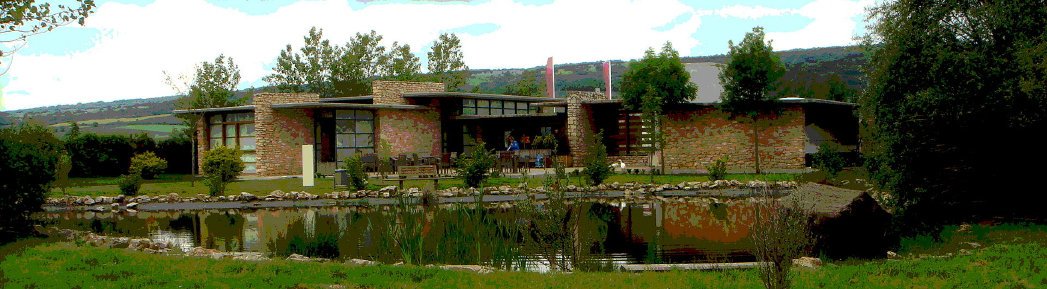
[
  {"x": 98, "y": 209},
  {"x": 201, "y": 252},
  {"x": 87, "y": 201},
  {"x": 974, "y": 245},
  {"x": 361, "y": 262},
  {"x": 964, "y": 228},
  {"x": 468, "y": 268},
  {"x": 119, "y": 242},
  {"x": 132, "y": 205},
  {"x": 892, "y": 255},
  {"x": 247, "y": 197},
  {"x": 808, "y": 262},
  {"x": 965, "y": 252},
  {"x": 300, "y": 258},
  {"x": 248, "y": 256},
  {"x": 139, "y": 243},
  {"x": 413, "y": 191}
]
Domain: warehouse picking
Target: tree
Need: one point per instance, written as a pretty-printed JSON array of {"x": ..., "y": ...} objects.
[
  {"x": 29, "y": 156},
  {"x": 956, "y": 90},
  {"x": 213, "y": 85},
  {"x": 839, "y": 91},
  {"x": 750, "y": 74},
  {"x": 651, "y": 85},
  {"x": 21, "y": 19},
  {"x": 74, "y": 130},
  {"x": 401, "y": 64},
  {"x": 661, "y": 76},
  {"x": 309, "y": 70},
  {"x": 446, "y": 62},
  {"x": 527, "y": 85},
  {"x": 596, "y": 167}
]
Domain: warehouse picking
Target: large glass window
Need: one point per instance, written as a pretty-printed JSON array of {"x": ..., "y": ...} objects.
[
  {"x": 234, "y": 130},
  {"x": 354, "y": 132},
  {"x": 495, "y": 107}
]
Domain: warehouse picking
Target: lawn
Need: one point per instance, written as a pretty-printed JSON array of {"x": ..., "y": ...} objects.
[
  {"x": 182, "y": 185},
  {"x": 1014, "y": 257}
]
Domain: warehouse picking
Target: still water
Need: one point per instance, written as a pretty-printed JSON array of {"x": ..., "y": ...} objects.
[{"x": 586, "y": 236}]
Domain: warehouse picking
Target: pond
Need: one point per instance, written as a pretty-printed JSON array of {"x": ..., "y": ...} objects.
[{"x": 531, "y": 236}]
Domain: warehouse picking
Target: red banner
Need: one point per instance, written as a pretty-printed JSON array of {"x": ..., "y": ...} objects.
[{"x": 550, "y": 78}]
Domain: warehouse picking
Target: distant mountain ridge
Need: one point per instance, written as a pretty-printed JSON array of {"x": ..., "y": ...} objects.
[{"x": 804, "y": 66}]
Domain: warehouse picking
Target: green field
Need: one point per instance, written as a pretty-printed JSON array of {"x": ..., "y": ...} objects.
[
  {"x": 165, "y": 128},
  {"x": 1012, "y": 256}
]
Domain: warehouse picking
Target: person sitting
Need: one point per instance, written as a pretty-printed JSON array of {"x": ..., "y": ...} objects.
[{"x": 514, "y": 146}]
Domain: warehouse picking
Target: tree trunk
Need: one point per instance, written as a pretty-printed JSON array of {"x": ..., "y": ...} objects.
[{"x": 756, "y": 145}]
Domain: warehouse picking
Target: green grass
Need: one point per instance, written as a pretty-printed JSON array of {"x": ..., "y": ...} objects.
[
  {"x": 1011, "y": 263},
  {"x": 165, "y": 128},
  {"x": 180, "y": 184}
]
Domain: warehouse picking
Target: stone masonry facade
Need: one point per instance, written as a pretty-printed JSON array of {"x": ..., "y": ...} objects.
[
  {"x": 407, "y": 131},
  {"x": 698, "y": 137},
  {"x": 392, "y": 92},
  {"x": 580, "y": 123},
  {"x": 281, "y": 133}
]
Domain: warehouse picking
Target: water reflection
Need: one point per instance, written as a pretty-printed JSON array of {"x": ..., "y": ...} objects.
[{"x": 558, "y": 235}]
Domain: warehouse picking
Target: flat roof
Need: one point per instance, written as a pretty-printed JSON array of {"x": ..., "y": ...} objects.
[
  {"x": 367, "y": 98},
  {"x": 346, "y": 105},
  {"x": 510, "y": 116},
  {"x": 477, "y": 96},
  {"x": 796, "y": 100},
  {"x": 215, "y": 109}
]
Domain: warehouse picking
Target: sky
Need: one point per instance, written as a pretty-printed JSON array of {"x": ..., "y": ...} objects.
[{"x": 125, "y": 49}]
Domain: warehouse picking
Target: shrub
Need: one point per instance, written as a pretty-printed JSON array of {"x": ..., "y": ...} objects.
[
  {"x": 718, "y": 169},
  {"x": 784, "y": 235},
  {"x": 221, "y": 166},
  {"x": 178, "y": 152},
  {"x": 29, "y": 155},
  {"x": 828, "y": 159},
  {"x": 95, "y": 155},
  {"x": 62, "y": 172},
  {"x": 596, "y": 168},
  {"x": 355, "y": 168},
  {"x": 474, "y": 168},
  {"x": 130, "y": 184},
  {"x": 147, "y": 165}
]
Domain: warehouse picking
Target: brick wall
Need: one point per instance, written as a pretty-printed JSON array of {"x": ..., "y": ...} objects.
[
  {"x": 697, "y": 137},
  {"x": 409, "y": 131},
  {"x": 281, "y": 133},
  {"x": 391, "y": 92},
  {"x": 580, "y": 123}
]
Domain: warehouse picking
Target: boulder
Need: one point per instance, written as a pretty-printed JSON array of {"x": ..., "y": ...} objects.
[
  {"x": 247, "y": 197},
  {"x": 361, "y": 262},
  {"x": 468, "y": 268},
  {"x": 808, "y": 262},
  {"x": 847, "y": 223}
]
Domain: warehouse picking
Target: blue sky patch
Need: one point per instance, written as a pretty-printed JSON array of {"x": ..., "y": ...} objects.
[
  {"x": 254, "y": 7},
  {"x": 717, "y": 30},
  {"x": 717, "y": 4},
  {"x": 62, "y": 41}
]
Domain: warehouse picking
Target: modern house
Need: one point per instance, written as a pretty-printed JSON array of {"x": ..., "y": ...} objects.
[{"x": 421, "y": 118}]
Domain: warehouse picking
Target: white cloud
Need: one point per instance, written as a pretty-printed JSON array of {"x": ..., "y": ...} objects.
[
  {"x": 138, "y": 43},
  {"x": 833, "y": 24},
  {"x": 750, "y": 12}
]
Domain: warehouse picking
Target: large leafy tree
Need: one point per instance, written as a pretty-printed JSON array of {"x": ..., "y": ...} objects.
[
  {"x": 29, "y": 156},
  {"x": 400, "y": 63},
  {"x": 446, "y": 62},
  {"x": 309, "y": 69},
  {"x": 659, "y": 75},
  {"x": 654, "y": 83},
  {"x": 21, "y": 19},
  {"x": 748, "y": 78},
  {"x": 957, "y": 89}
]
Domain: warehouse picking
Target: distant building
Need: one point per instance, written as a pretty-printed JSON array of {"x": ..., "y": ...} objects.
[{"x": 408, "y": 118}]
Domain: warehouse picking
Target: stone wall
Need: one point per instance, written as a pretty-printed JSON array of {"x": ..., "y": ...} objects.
[
  {"x": 580, "y": 123},
  {"x": 632, "y": 162},
  {"x": 391, "y": 92},
  {"x": 281, "y": 133},
  {"x": 695, "y": 138},
  {"x": 202, "y": 143},
  {"x": 409, "y": 131}
]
